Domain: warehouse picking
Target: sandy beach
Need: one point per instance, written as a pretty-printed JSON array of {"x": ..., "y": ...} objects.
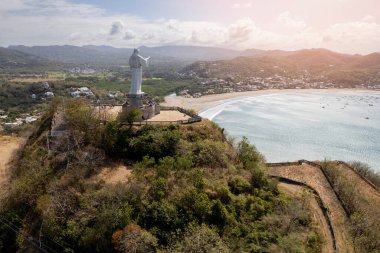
[{"x": 206, "y": 102}]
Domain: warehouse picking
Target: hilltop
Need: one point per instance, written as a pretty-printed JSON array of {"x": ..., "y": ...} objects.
[
  {"x": 81, "y": 186},
  {"x": 177, "y": 184}
]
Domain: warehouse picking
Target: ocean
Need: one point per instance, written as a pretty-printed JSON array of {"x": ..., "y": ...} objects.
[{"x": 342, "y": 125}]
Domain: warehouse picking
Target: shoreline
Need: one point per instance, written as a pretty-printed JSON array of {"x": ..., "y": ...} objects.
[{"x": 206, "y": 102}]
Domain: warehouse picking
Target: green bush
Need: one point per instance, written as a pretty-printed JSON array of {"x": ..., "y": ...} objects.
[
  {"x": 211, "y": 153},
  {"x": 239, "y": 185}
]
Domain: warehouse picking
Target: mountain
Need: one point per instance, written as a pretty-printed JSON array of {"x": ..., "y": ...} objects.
[
  {"x": 10, "y": 58},
  {"x": 368, "y": 61},
  {"x": 312, "y": 64},
  {"x": 108, "y": 55},
  {"x": 74, "y": 54},
  {"x": 197, "y": 52}
]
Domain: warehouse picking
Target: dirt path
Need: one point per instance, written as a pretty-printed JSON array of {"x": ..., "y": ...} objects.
[
  {"x": 313, "y": 177},
  {"x": 317, "y": 215},
  {"x": 8, "y": 145}
]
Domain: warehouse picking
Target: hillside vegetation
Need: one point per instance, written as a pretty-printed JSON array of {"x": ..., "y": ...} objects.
[
  {"x": 191, "y": 190},
  {"x": 361, "y": 202}
]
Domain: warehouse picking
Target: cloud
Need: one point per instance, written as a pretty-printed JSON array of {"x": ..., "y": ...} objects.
[
  {"x": 47, "y": 22},
  {"x": 116, "y": 28},
  {"x": 353, "y": 35},
  {"x": 369, "y": 18},
  {"x": 49, "y": 7},
  {"x": 241, "y": 30},
  {"x": 287, "y": 20},
  {"x": 241, "y": 5},
  {"x": 129, "y": 34}
]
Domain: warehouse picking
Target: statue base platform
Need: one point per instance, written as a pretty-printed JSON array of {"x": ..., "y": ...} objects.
[
  {"x": 136, "y": 100},
  {"x": 148, "y": 108}
]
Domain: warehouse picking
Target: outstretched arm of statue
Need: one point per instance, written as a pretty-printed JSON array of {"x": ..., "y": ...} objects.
[{"x": 144, "y": 61}]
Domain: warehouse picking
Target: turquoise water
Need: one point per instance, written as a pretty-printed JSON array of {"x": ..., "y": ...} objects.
[{"x": 290, "y": 126}]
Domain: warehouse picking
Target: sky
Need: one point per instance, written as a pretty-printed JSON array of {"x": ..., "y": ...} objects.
[{"x": 347, "y": 26}]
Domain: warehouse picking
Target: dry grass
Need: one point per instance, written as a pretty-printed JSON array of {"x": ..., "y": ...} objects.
[
  {"x": 315, "y": 178},
  {"x": 37, "y": 79},
  {"x": 8, "y": 145},
  {"x": 114, "y": 175},
  {"x": 318, "y": 217}
]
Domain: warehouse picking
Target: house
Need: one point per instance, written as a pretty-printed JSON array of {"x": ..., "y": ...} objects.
[
  {"x": 82, "y": 92},
  {"x": 30, "y": 119},
  {"x": 49, "y": 94}
]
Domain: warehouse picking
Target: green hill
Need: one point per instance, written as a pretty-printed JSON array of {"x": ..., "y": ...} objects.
[
  {"x": 185, "y": 189},
  {"x": 10, "y": 58}
]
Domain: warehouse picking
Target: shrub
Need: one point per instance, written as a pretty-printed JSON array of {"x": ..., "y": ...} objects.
[
  {"x": 200, "y": 239},
  {"x": 134, "y": 239},
  {"x": 366, "y": 171},
  {"x": 239, "y": 185},
  {"x": 130, "y": 115},
  {"x": 211, "y": 153},
  {"x": 159, "y": 188},
  {"x": 248, "y": 155}
]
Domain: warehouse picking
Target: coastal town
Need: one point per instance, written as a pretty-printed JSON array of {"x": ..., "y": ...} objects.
[{"x": 209, "y": 86}]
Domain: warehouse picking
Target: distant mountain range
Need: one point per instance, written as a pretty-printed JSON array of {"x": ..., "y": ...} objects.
[
  {"x": 317, "y": 64},
  {"x": 119, "y": 56},
  {"x": 316, "y": 59},
  {"x": 10, "y": 58}
]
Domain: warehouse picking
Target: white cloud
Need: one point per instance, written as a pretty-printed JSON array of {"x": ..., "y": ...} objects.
[
  {"x": 369, "y": 18},
  {"x": 129, "y": 34},
  {"x": 241, "y": 5},
  {"x": 287, "y": 20},
  {"x": 353, "y": 35}
]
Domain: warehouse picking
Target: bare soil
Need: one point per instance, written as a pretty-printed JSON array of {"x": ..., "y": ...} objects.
[
  {"x": 170, "y": 116},
  {"x": 313, "y": 177},
  {"x": 114, "y": 175},
  {"x": 8, "y": 146}
]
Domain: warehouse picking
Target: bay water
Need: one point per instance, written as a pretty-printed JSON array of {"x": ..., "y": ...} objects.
[{"x": 342, "y": 125}]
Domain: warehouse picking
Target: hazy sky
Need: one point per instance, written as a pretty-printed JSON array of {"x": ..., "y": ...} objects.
[{"x": 350, "y": 26}]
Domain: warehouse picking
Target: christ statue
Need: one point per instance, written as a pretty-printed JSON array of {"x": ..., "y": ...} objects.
[{"x": 136, "y": 62}]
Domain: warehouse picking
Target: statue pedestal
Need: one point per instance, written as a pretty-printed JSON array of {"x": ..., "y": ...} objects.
[
  {"x": 148, "y": 110},
  {"x": 136, "y": 100}
]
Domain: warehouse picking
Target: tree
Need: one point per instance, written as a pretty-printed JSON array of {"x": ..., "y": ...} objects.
[
  {"x": 134, "y": 239},
  {"x": 200, "y": 239},
  {"x": 130, "y": 115}
]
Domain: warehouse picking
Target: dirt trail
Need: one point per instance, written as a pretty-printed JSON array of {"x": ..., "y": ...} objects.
[
  {"x": 318, "y": 216},
  {"x": 313, "y": 177},
  {"x": 8, "y": 145}
]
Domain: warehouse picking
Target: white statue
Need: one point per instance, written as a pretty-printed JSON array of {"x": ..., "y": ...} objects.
[{"x": 136, "y": 62}]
